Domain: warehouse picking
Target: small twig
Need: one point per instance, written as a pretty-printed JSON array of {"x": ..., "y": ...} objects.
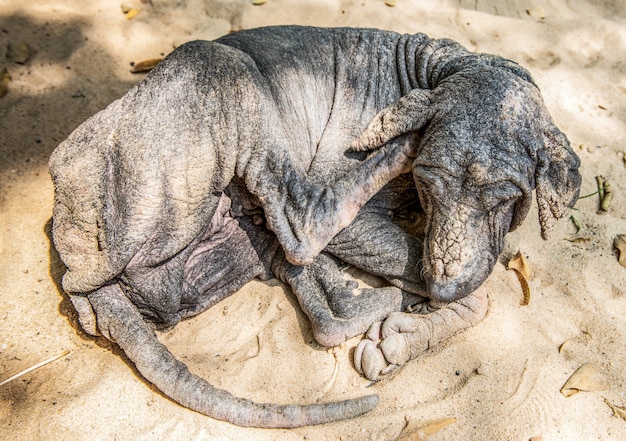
[
  {"x": 37, "y": 366},
  {"x": 604, "y": 192},
  {"x": 600, "y": 183},
  {"x": 599, "y": 191},
  {"x": 589, "y": 195},
  {"x": 576, "y": 224},
  {"x": 608, "y": 195},
  {"x": 333, "y": 377}
]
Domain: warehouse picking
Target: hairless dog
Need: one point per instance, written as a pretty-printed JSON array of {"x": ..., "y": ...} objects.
[{"x": 255, "y": 155}]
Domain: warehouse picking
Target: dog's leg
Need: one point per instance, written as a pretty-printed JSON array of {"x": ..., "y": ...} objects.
[
  {"x": 305, "y": 217},
  {"x": 337, "y": 309},
  {"x": 373, "y": 243},
  {"x": 402, "y": 337},
  {"x": 233, "y": 251}
]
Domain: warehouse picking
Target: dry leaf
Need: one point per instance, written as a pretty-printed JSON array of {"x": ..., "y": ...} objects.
[
  {"x": 258, "y": 2},
  {"x": 618, "y": 411},
  {"x": 5, "y": 78},
  {"x": 587, "y": 378},
  {"x": 423, "y": 433},
  {"x": 620, "y": 243},
  {"x": 600, "y": 184},
  {"x": 145, "y": 65},
  {"x": 129, "y": 12},
  {"x": 18, "y": 52},
  {"x": 520, "y": 266},
  {"x": 579, "y": 239},
  {"x": 390, "y": 2},
  {"x": 604, "y": 192},
  {"x": 608, "y": 195},
  {"x": 132, "y": 13},
  {"x": 536, "y": 13}
]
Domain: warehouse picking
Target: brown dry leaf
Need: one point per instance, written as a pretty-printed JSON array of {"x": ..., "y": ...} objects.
[
  {"x": 5, "y": 79},
  {"x": 390, "y": 2},
  {"x": 18, "y": 52},
  {"x": 587, "y": 378},
  {"x": 258, "y": 2},
  {"x": 618, "y": 411},
  {"x": 520, "y": 266},
  {"x": 579, "y": 239},
  {"x": 423, "y": 433},
  {"x": 145, "y": 65},
  {"x": 620, "y": 243}
]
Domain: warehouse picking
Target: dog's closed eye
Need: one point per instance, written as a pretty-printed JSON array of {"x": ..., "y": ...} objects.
[{"x": 492, "y": 195}]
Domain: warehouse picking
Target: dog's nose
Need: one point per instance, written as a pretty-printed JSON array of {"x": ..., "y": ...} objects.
[{"x": 452, "y": 269}]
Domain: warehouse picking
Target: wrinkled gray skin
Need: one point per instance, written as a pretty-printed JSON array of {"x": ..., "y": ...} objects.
[{"x": 231, "y": 161}]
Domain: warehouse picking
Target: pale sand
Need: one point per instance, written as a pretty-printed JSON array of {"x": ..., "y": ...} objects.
[{"x": 500, "y": 380}]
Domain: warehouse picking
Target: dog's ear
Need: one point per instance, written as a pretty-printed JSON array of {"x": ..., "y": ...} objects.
[
  {"x": 557, "y": 179},
  {"x": 410, "y": 113}
]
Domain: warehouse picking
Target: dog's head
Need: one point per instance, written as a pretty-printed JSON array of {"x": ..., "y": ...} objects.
[
  {"x": 486, "y": 142},
  {"x": 490, "y": 142}
]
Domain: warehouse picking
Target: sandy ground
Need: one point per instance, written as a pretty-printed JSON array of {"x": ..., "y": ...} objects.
[{"x": 500, "y": 380}]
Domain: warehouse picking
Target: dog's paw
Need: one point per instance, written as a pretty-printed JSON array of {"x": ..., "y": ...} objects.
[
  {"x": 388, "y": 345},
  {"x": 402, "y": 337},
  {"x": 369, "y": 357}
]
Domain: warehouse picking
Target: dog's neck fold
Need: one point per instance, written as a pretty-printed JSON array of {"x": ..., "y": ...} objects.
[{"x": 423, "y": 62}]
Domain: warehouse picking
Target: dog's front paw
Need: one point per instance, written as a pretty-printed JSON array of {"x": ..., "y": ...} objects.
[
  {"x": 390, "y": 344},
  {"x": 302, "y": 252},
  {"x": 369, "y": 357},
  {"x": 402, "y": 337}
]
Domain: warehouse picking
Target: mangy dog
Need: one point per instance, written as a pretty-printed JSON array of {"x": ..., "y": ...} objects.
[{"x": 230, "y": 161}]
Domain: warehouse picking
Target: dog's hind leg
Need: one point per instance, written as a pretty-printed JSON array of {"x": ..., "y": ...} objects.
[
  {"x": 337, "y": 308},
  {"x": 232, "y": 252}
]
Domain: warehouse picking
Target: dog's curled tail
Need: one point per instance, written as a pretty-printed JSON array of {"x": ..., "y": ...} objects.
[{"x": 120, "y": 321}]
